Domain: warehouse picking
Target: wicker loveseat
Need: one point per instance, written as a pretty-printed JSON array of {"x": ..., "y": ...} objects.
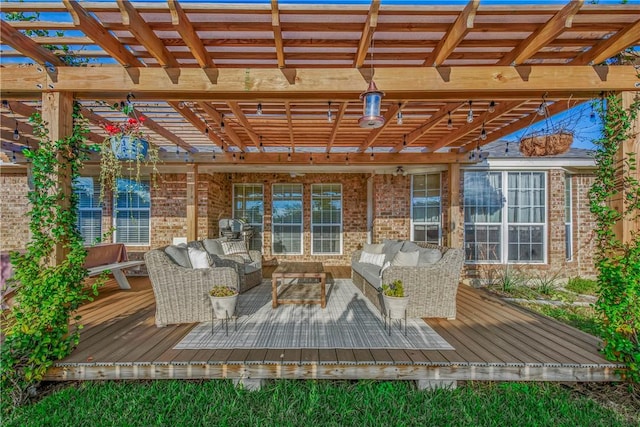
[
  {"x": 181, "y": 293},
  {"x": 431, "y": 287}
]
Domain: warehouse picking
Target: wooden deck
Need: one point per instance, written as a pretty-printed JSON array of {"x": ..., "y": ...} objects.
[{"x": 493, "y": 340}]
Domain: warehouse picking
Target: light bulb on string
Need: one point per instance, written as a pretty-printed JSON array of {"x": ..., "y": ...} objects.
[
  {"x": 16, "y": 133},
  {"x": 399, "y": 115},
  {"x": 483, "y": 133},
  {"x": 13, "y": 157},
  {"x": 259, "y": 109},
  {"x": 470, "y": 114},
  {"x": 449, "y": 122},
  {"x": 213, "y": 156},
  {"x": 222, "y": 123},
  {"x": 372, "y": 155},
  {"x": 492, "y": 107},
  {"x": 289, "y": 156},
  {"x": 329, "y": 114}
]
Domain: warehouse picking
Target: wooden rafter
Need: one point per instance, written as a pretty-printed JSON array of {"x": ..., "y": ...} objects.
[
  {"x": 145, "y": 35},
  {"x": 426, "y": 126},
  {"x": 26, "y": 46},
  {"x": 192, "y": 118},
  {"x": 543, "y": 35},
  {"x": 454, "y": 35},
  {"x": 521, "y": 123},
  {"x": 287, "y": 107},
  {"x": 184, "y": 26},
  {"x": 611, "y": 46},
  {"x": 217, "y": 117},
  {"x": 480, "y": 121},
  {"x": 336, "y": 125},
  {"x": 240, "y": 117},
  {"x": 277, "y": 33},
  {"x": 100, "y": 36},
  {"x": 375, "y": 133},
  {"x": 367, "y": 34}
]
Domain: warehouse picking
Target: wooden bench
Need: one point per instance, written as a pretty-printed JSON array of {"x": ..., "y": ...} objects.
[{"x": 116, "y": 270}]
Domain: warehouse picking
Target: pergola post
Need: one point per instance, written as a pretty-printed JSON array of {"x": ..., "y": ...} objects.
[
  {"x": 627, "y": 225},
  {"x": 455, "y": 220},
  {"x": 57, "y": 115},
  {"x": 192, "y": 202}
]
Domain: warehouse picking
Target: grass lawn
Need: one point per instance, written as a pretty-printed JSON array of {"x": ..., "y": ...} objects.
[{"x": 313, "y": 403}]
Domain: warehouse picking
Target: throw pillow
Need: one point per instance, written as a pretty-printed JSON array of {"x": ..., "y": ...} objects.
[
  {"x": 236, "y": 247},
  {"x": 406, "y": 259},
  {"x": 199, "y": 258},
  {"x": 429, "y": 256},
  {"x": 373, "y": 248},
  {"x": 179, "y": 254},
  {"x": 409, "y": 247},
  {"x": 369, "y": 258},
  {"x": 213, "y": 246},
  {"x": 391, "y": 247}
]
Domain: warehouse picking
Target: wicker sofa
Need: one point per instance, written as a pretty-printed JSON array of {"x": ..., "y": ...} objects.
[
  {"x": 431, "y": 287},
  {"x": 182, "y": 293}
]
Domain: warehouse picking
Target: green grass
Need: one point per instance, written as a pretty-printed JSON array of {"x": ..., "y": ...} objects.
[
  {"x": 583, "y": 318},
  {"x": 312, "y": 403},
  {"x": 582, "y": 286}
]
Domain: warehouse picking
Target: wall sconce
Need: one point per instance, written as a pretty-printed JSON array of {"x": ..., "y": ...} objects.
[
  {"x": 400, "y": 171},
  {"x": 372, "y": 98}
]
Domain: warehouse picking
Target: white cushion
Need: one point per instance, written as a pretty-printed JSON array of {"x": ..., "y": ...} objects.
[
  {"x": 406, "y": 259},
  {"x": 373, "y": 248},
  {"x": 236, "y": 247},
  {"x": 198, "y": 258},
  {"x": 369, "y": 258}
]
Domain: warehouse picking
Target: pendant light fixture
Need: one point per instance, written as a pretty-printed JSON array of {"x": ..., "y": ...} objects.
[{"x": 371, "y": 98}]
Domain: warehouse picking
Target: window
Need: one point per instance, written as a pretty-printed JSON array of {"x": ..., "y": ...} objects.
[
  {"x": 326, "y": 219},
  {"x": 248, "y": 204},
  {"x": 287, "y": 219},
  {"x": 89, "y": 209},
  {"x": 426, "y": 209},
  {"x": 568, "y": 223},
  {"x": 499, "y": 229},
  {"x": 132, "y": 212}
]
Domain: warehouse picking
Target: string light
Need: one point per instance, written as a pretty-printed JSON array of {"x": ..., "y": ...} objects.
[
  {"x": 222, "y": 123},
  {"x": 260, "y": 141},
  {"x": 506, "y": 150},
  {"x": 542, "y": 108},
  {"x": 16, "y": 133},
  {"x": 399, "y": 115},
  {"x": 492, "y": 107},
  {"x": 483, "y": 133},
  {"x": 329, "y": 114},
  {"x": 289, "y": 155},
  {"x": 372, "y": 155},
  {"x": 259, "y": 109},
  {"x": 404, "y": 140},
  {"x": 181, "y": 105},
  {"x": 213, "y": 156},
  {"x": 233, "y": 156},
  {"x": 328, "y": 157},
  {"x": 470, "y": 114},
  {"x": 346, "y": 162},
  {"x": 449, "y": 122},
  {"x": 13, "y": 157},
  {"x": 177, "y": 150}
]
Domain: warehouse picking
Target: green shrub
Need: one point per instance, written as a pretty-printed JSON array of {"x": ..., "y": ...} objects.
[{"x": 582, "y": 286}]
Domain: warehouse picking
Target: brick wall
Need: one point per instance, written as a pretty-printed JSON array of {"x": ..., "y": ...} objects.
[
  {"x": 14, "y": 205},
  {"x": 391, "y": 207}
]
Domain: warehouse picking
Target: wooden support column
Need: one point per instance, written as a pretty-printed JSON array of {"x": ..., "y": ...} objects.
[
  {"x": 57, "y": 110},
  {"x": 454, "y": 232},
  {"x": 192, "y": 202},
  {"x": 627, "y": 225}
]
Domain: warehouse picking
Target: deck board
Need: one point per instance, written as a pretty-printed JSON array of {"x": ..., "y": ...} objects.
[{"x": 492, "y": 339}]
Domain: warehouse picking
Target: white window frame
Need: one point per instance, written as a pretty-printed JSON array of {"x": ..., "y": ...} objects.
[
  {"x": 235, "y": 213},
  {"x": 273, "y": 224},
  {"x": 427, "y": 223},
  {"x": 137, "y": 209},
  {"x": 504, "y": 223},
  {"x": 96, "y": 207},
  {"x": 340, "y": 234},
  {"x": 568, "y": 226}
]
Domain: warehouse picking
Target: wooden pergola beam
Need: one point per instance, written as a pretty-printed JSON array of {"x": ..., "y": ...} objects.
[
  {"x": 100, "y": 35},
  {"x": 454, "y": 35},
  {"x": 26, "y": 46},
  {"x": 145, "y": 35},
  {"x": 375, "y": 133},
  {"x": 217, "y": 116},
  {"x": 426, "y": 126},
  {"x": 611, "y": 46},
  {"x": 407, "y": 83},
  {"x": 192, "y": 118},
  {"x": 367, "y": 34},
  {"x": 543, "y": 36},
  {"x": 184, "y": 26},
  {"x": 277, "y": 33},
  {"x": 287, "y": 108},
  {"x": 237, "y": 111},
  {"x": 336, "y": 125}
]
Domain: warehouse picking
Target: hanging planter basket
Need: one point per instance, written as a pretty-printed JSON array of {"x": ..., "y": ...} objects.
[
  {"x": 546, "y": 145},
  {"x": 129, "y": 148}
]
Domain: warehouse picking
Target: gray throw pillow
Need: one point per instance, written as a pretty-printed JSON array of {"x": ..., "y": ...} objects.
[
  {"x": 429, "y": 256},
  {"x": 213, "y": 246},
  {"x": 391, "y": 248},
  {"x": 406, "y": 259},
  {"x": 410, "y": 247},
  {"x": 373, "y": 248},
  {"x": 179, "y": 254}
]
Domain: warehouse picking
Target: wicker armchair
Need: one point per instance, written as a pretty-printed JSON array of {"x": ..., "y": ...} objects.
[
  {"x": 431, "y": 288},
  {"x": 182, "y": 294}
]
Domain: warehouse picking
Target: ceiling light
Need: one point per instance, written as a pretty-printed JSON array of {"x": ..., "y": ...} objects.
[
  {"x": 470, "y": 114},
  {"x": 372, "y": 98}
]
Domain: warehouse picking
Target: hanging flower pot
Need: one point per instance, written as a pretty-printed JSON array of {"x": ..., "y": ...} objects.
[{"x": 126, "y": 147}]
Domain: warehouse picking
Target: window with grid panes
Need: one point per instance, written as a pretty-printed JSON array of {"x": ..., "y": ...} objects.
[
  {"x": 426, "y": 208},
  {"x": 132, "y": 212},
  {"x": 326, "y": 219},
  {"x": 286, "y": 218},
  {"x": 89, "y": 209},
  {"x": 248, "y": 204}
]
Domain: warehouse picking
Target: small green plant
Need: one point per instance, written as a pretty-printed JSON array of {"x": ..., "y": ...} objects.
[
  {"x": 395, "y": 289},
  {"x": 222, "y": 291},
  {"x": 582, "y": 286},
  {"x": 545, "y": 283},
  {"x": 508, "y": 278}
]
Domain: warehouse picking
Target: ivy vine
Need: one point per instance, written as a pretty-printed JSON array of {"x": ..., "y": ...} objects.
[
  {"x": 42, "y": 326},
  {"x": 617, "y": 260}
]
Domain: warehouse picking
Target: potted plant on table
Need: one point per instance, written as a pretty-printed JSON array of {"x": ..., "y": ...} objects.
[
  {"x": 395, "y": 301},
  {"x": 223, "y": 301}
]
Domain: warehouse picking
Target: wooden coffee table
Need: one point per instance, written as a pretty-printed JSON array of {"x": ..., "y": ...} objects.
[{"x": 299, "y": 292}]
